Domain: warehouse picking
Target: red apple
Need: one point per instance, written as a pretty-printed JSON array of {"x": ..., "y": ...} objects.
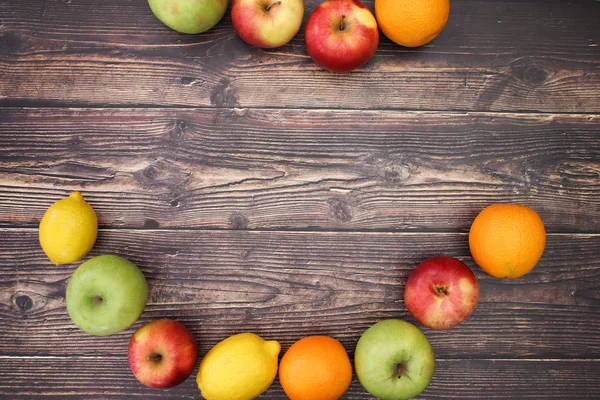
[
  {"x": 162, "y": 353},
  {"x": 267, "y": 23},
  {"x": 441, "y": 292},
  {"x": 341, "y": 35}
]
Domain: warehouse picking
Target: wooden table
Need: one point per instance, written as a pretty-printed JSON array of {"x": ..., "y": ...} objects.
[{"x": 259, "y": 193}]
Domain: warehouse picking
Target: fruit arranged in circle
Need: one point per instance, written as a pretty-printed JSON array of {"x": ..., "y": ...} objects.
[
  {"x": 441, "y": 292},
  {"x": 240, "y": 367},
  {"x": 394, "y": 360},
  {"x": 412, "y": 23},
  {"x": 341, "y": 35},
  {"x": 106, "y": 294},
  {"x": 162, "y": 353},
  {"x": 315, "y": 368},
  {"x": 189, "y": 16},
  {"x": 507, "y": 240},
  {"x": 68, "y": 229}
]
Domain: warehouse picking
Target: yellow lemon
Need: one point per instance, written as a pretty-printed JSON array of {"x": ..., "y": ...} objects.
[
  {"x": 68, "y": 229},
  {"x": 240, "y": 367}
]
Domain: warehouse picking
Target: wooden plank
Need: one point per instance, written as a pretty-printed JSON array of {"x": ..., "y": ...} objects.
[
  {"x": 492, "y": 55},
  {"x": 299, "y": 169},
  {"x": 110, "y": 378},
  {"x": 287, "y": 285}
]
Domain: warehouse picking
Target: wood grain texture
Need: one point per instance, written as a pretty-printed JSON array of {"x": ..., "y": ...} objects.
[
  {"x": 286, "y": 285},
  {"x": 299, "y": 169},
  {"x": 110, "y": 378},
  {"x": 492, "y": 55},
  {"x": 259, "y": 193}
]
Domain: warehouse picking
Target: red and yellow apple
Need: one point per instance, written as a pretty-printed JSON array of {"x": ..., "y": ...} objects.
[
  {"x": 441, "y": 292},
  {"x": 267, "y": 23},
  {"x": 341, "y": 35},
  {"x": 162, "y": 353}
]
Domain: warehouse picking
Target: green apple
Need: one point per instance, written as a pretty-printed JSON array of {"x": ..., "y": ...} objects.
[
  {"x": 189, "y": 16},
  {"x": 106, "y": 295},
  {"x": 394, "y": 360}
]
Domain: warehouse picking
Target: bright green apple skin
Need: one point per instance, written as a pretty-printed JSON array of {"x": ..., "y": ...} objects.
[
  {"x": 106, "y": 295},
  {"x": 189, "y": 16},
  {"x": 382, "y": 348}
]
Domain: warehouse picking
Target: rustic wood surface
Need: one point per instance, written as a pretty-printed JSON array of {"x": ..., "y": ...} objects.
[
  {"x": 494, "y": 55},
  {"x": 110, "y": 377},
  {"x": 279, "y": 283},
  {"x": 260, "y": 193}
]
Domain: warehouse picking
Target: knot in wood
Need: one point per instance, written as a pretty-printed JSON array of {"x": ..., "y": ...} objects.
[
  {"x": 151, "y": 224},
  {"x": 238, "y": 221},
  {"x": 150, "y": 172},
  {"x": 178, "y": 129},
  {"x": 24, "y": 302},
  {"x": 534, "y": 75},
  {"x": 340, "y": 209}
]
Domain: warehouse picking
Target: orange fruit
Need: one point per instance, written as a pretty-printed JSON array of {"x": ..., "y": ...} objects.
[
  {"x": 412, "y": 23},
  {"x": 507, "y": 240},
  {"x": 315, "y": 368}
]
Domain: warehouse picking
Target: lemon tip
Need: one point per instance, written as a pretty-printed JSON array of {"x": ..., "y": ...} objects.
[
  {"x": 273, "y": 347},
  {"x": 76, "y": 195}
]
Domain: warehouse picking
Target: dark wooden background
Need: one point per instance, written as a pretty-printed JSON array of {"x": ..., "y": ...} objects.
[{"x": 260, "y": 193}]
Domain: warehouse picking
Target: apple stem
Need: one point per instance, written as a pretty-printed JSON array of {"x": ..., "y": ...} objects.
[
  {"x": 155, "y": 357},
  {"x": 343, "y": 23},
  {"x": 276, "y": 3},
  {"x": 442, "y": 290}
]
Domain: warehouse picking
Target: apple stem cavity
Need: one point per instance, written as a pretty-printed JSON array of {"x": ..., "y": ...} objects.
[
  {"x": 442, "y": 290},
  {"x": 343, "y": 23},
  {"x": 400, "y": 370},
  {"x": 155, "y": 357},
  {"x": 273, "y": 4},
  {"x": 97, "y": 300}
]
